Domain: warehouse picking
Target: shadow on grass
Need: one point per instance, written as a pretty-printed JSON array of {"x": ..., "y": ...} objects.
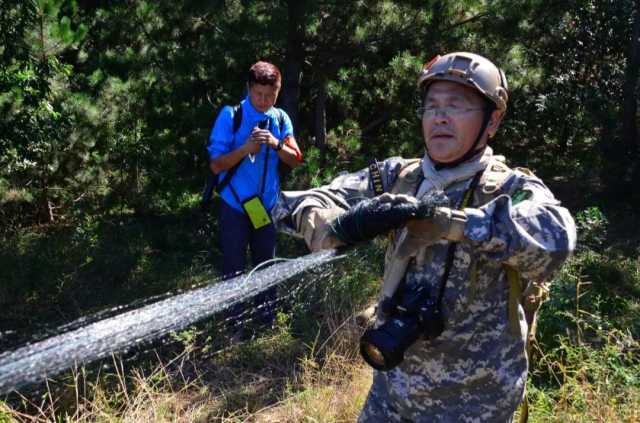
[{"x": 55, "y": 274}]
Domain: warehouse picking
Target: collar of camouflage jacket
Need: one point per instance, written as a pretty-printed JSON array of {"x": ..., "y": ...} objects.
[{"x": 444, "y": 178}]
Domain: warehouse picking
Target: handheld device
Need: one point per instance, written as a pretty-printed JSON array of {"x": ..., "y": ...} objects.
[
  {"x": 263, "y": 124},
  {"x": 258, "y": 215}
]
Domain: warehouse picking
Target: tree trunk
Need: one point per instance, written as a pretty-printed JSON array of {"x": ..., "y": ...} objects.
[
  {"x": 437, "y": 13},
  {"x": 290, "y": 98},
  {"x": 630, "y": 104},
  {"x": 320, "y": 121}
]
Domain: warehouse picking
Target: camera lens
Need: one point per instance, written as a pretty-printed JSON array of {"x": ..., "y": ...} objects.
[
  {"x": 379, "y": 349},
  {"x": 374, "y": 354},
  {"x": 383, "y": 348}
]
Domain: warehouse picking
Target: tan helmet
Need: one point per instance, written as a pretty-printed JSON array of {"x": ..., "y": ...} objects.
[{"x": 468, "y": 69}]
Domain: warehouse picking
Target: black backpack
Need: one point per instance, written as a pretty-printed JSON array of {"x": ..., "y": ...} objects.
[{"x": 213, "y": 181}]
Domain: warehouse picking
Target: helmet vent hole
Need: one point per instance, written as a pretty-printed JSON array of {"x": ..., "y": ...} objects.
[{"x": 461, "y": 65}]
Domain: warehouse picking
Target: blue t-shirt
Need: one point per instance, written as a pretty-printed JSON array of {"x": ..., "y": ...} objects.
[{"x": 247, "y": 180}]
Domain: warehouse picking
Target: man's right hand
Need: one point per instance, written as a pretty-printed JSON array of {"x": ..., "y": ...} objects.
[
  {"x": 251, "y": 147},
  {"x": 379, "y": 215}
]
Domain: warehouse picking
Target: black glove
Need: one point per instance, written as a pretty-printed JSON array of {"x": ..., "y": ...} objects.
[{"x": 379, "y": 215}]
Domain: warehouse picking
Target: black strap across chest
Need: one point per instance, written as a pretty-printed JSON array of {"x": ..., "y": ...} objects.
[
  {"x": 264, "y": 179},
  {"x": 465, "y": 201}
]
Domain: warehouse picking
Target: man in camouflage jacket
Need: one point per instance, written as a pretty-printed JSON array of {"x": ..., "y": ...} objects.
[{"x": 476, "y": 369}]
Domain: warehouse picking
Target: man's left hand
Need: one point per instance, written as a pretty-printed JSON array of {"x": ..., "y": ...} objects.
[
  {"x": 264, "y": 136},
  {"x": 446, "y": 223}
]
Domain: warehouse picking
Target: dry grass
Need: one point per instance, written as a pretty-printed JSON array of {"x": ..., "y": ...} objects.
[
  {"x": 272, "y": 379},
  {"x": 245, "y": 384},
  {"x": 334, "y": 393},
  {"x": 156, "y": 397}
]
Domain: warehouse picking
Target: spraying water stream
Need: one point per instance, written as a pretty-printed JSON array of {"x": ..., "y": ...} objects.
[{"x": 32, "y": 363}]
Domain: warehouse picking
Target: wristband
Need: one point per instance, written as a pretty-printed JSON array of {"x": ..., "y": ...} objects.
[
  {"x": 453, "y": 221},
  {"x": 280, "y": 145}
]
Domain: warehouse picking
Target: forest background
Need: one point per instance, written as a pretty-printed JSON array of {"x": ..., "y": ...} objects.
[{"x": 106, "y": 108}]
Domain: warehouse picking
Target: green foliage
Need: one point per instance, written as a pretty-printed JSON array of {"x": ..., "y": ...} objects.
[
  {"x": 4, "y": 415},
  {"x": 106, "y": 107},
  {"x": 591, "y": 224},
  {"x": 55, "y": 275},
  {"x": 587, "y": 367},
  {"x": 596, "y": 384},
  {"x": 358, "y": 278},
  {"x": 588, "y": 333},
  {"x": 568, "y": 108},
  {"x": 39, "y": 156},
  {"x": 594, "y": 292}
]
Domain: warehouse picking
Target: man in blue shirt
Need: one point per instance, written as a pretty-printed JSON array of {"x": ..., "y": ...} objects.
[{"x": 263, "y": 138}]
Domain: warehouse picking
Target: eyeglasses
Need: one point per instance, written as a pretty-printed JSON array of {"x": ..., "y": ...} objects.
[{"x": 431, "y": 111}]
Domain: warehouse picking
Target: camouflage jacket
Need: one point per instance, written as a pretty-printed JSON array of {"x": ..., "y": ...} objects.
[{"x": 476, "y": 369}]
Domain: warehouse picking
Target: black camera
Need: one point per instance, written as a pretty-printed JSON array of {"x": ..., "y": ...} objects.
[
  {"x": 263, "y": 124},
  {"x": 415, "y": 315}
]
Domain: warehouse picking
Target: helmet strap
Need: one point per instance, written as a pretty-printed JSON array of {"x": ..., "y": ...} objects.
[{"x": 472, "y": 151}]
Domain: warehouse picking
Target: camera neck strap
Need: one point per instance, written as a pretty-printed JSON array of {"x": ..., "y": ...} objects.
[
  {"x": 465, "y": 201},
  {"x": 264, "y": 172},
  {"x": 262, "y": 184}
]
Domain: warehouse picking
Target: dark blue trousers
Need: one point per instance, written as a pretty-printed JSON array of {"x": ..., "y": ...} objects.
[{"x": 236, "y": 234}]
